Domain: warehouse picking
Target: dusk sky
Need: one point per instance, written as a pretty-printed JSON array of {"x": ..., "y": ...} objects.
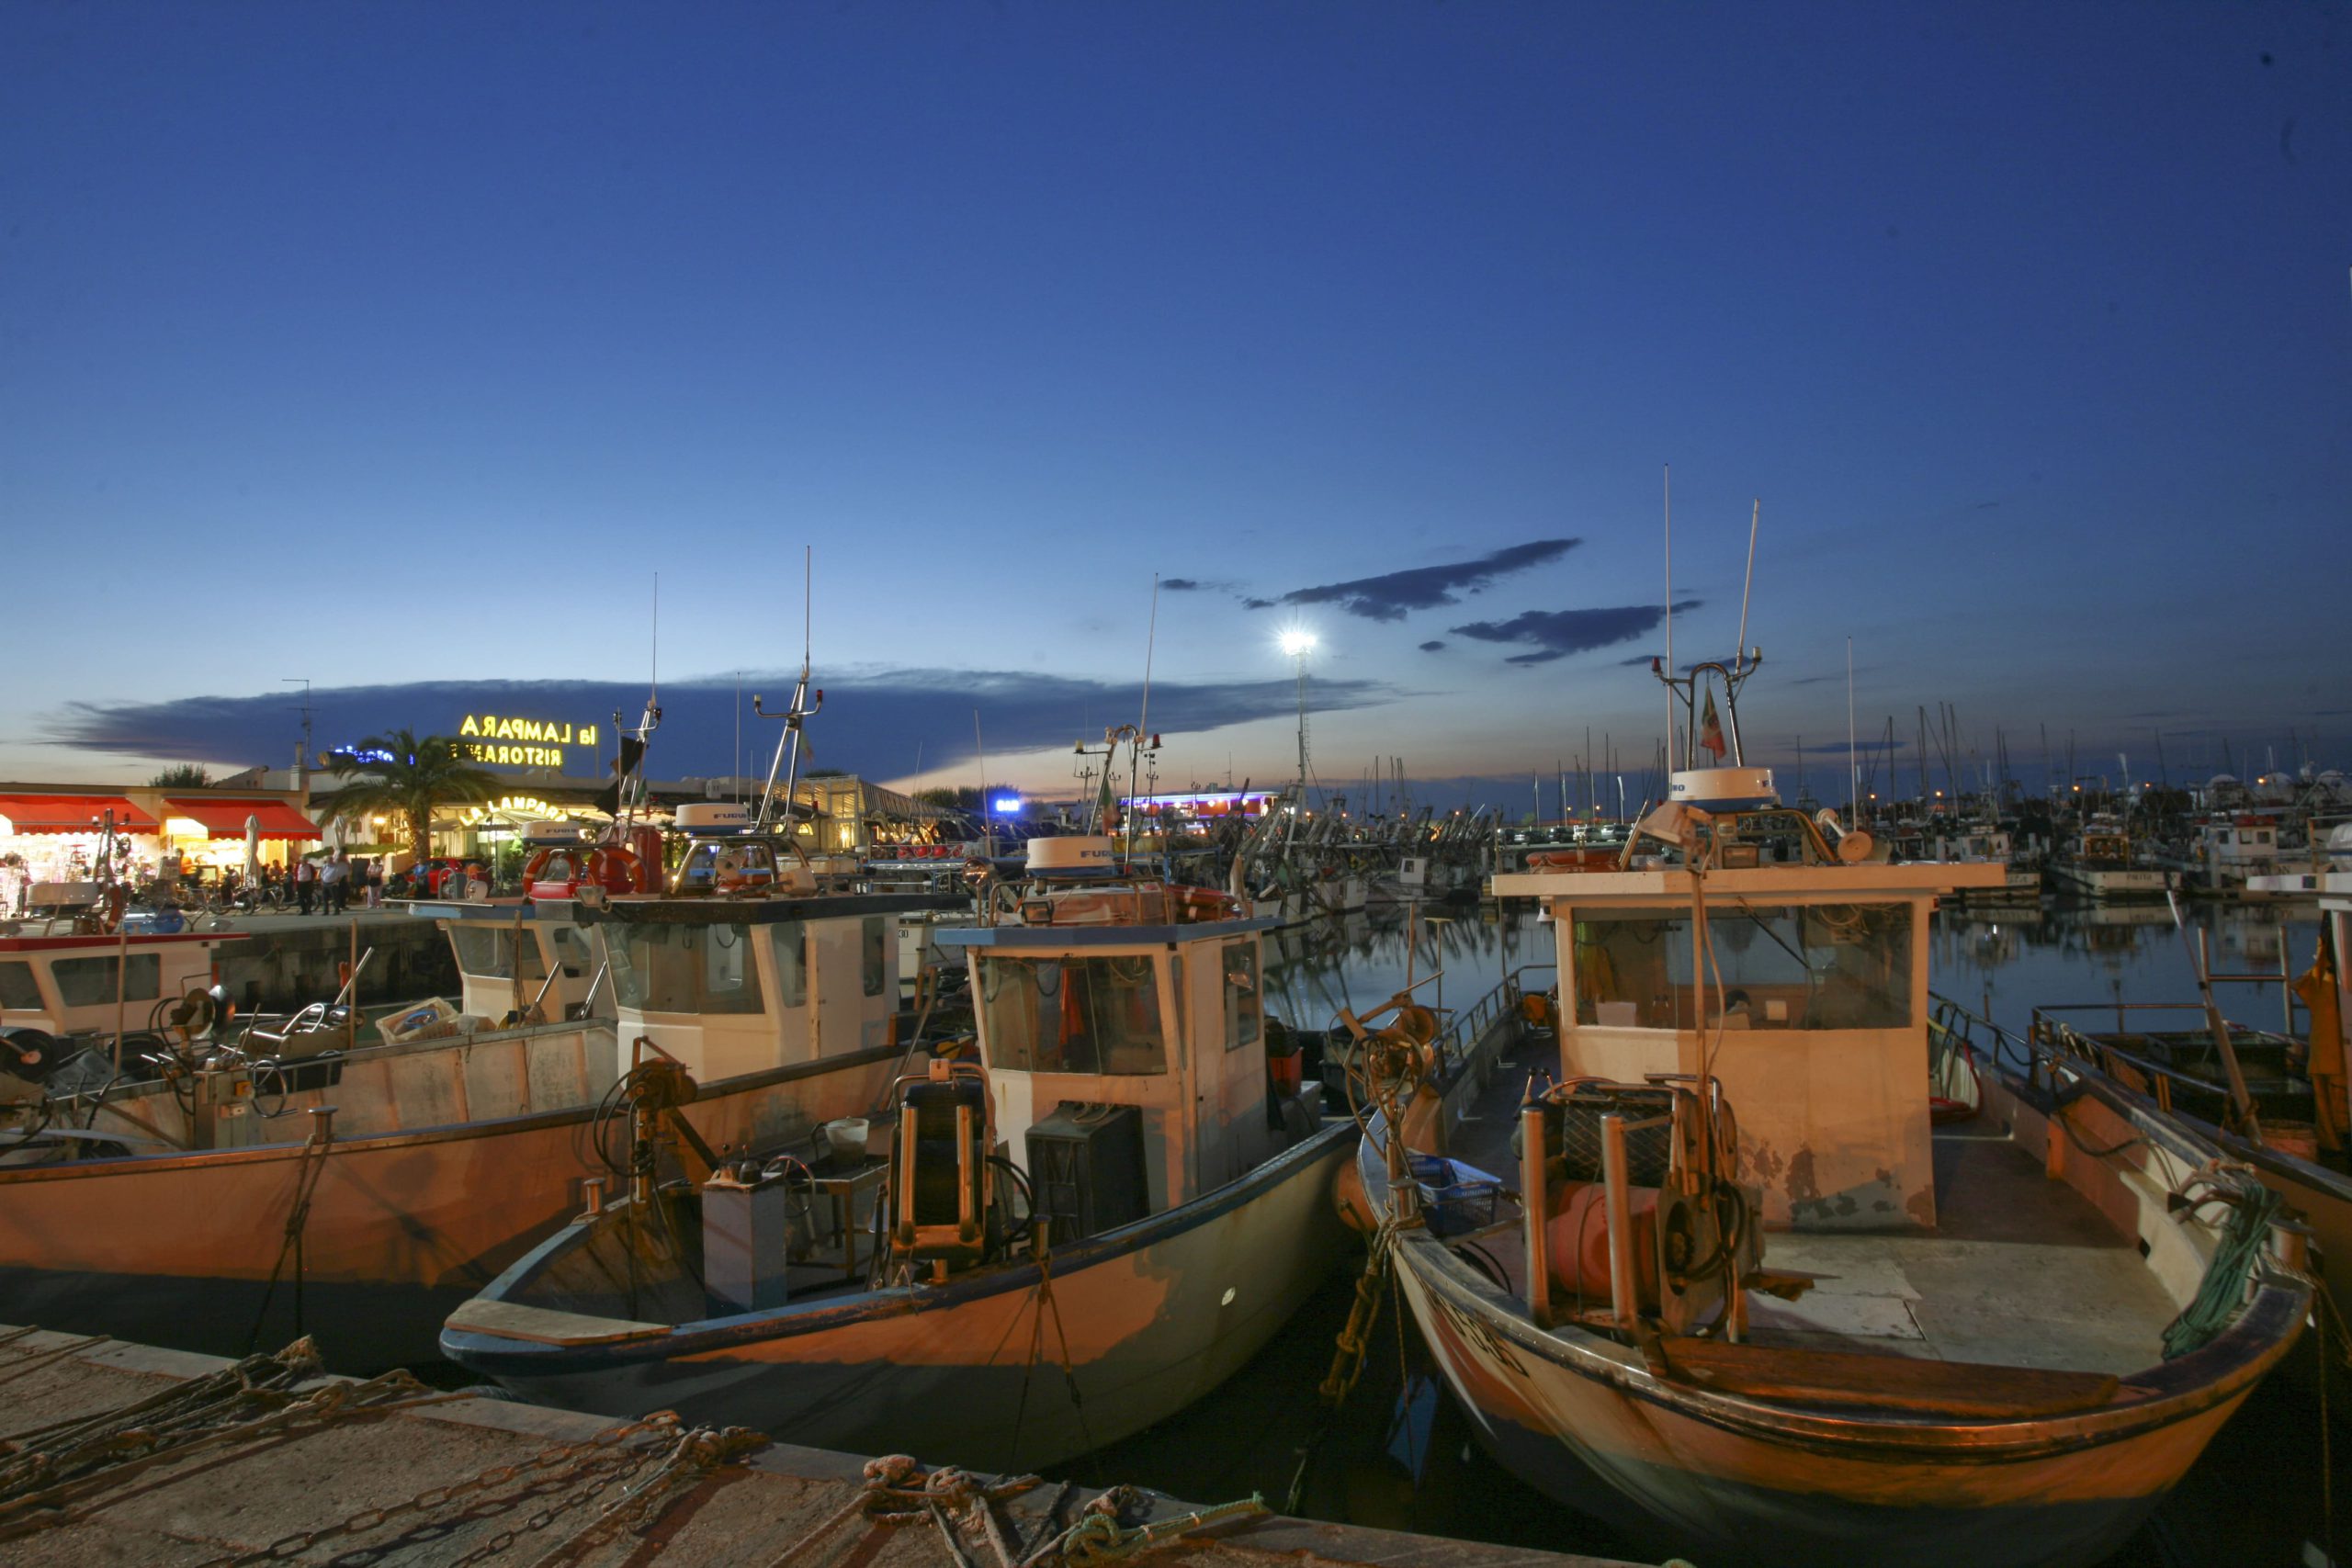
[{"x": 398, "y": 347}]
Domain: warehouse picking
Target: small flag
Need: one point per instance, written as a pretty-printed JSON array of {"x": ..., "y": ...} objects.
[{"x": 1710, "y": 728}]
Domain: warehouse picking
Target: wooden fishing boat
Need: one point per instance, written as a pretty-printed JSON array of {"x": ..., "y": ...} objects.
[
  {"x": 324, "y": 1169},
  {"x": 1766, "y": 1298},
  {"x": 1049, "y": 1249}
]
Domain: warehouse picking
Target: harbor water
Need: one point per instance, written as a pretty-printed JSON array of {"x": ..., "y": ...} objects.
[{"x": 1399, "y": 1455}]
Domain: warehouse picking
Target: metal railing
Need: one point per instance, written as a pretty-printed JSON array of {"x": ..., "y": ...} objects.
[{"x": 2132, "y": 1069}]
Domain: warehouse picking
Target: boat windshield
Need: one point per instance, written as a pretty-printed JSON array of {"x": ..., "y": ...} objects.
[
  {"x": 487, "y": 952},
  {"x": 88, "y": 982},
  {"x": 1793, "y": 966},
  {"x": 727, "y": 865},
  {"x": 686, "y": 968},
  {"x": 1073, "y": 1015},
  {"x": 18, "y": 993}
]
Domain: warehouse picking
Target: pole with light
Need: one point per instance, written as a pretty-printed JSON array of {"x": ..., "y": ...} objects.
[{"x": 1298, "y": 642}]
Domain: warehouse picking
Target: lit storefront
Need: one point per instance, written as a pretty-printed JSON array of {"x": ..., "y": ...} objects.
[
  {"x": 59, "y": 837},
  {"x": 61, "y": 834},
  {"x": 210, "y": 830}
]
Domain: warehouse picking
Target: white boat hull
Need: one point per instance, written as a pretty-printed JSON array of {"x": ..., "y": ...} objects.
[{"x": 2135, "y": 883}]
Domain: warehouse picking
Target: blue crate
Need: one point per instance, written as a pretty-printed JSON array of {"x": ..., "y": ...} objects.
[{"x": 1460, "y": 1207}]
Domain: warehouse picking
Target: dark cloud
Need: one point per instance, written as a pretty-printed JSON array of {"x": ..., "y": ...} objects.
[
  {"x": 1389, "y": 596},
  {"x": 872, "y": 723},
  {"x": 1433, "y": 646},
  {"x": 1180, "y": 584},
  {"x": 1556, "y": 634},
  {"x": 1248, "y": 604}
]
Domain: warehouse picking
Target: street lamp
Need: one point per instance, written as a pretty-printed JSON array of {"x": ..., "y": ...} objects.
[{"x": 1298, "y": 642}]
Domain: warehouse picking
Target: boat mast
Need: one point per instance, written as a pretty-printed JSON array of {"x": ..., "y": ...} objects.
[{"x": 797, "y": 714}]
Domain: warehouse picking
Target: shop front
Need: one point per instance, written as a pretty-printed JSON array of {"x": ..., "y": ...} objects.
[
  {"x": 209, "y": 831},
  {"x": 65, "y": 838}
]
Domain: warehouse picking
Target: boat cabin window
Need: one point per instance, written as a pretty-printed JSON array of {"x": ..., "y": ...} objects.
[
  {"x": 726, "y": 866},
  {"x": 874, "y": 958},
  {"x": 570, "y": 950},
  {"x": 18, "y": 991},
  {"x": 1073, "y": 1015},
  {"x": 1244, "y": 1005},
  {"x": 88, "y": 982},
  {"x": 487, "y": 952},
  {"x": 686, "y": 968},
  {"x": 789, "y": 941},
  {"x": 1774, "y": 966}
]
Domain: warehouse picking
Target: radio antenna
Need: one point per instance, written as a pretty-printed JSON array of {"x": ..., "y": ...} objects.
[
  {"x": 805, "y": 705},
  {"x": 1669, "y": 618},
  {"x": 1151, "y": 639},
  {"x": 1740, "y": 651}
]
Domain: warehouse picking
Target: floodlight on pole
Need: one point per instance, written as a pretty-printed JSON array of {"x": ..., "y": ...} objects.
[{"x": 1298, "y": 642}]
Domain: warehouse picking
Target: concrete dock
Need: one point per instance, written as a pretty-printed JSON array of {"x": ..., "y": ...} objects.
[{"x": 117, "y": 1453}]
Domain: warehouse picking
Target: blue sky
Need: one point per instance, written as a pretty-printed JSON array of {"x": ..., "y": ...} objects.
[{"x": 398, "y": 347}]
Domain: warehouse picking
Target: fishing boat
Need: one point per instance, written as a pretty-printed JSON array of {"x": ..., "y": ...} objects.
[
  {"x": 1010, "y": 1259},
  {"x": 1991, "y": 843},
  {"x": 1784, "y": 1288},
  {"x": 2101, "y": 864},
  {"x": 375, "y": 1173}
]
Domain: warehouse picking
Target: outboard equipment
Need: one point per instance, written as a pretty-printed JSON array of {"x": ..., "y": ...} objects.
[
  {"x": 941, "y": 1189},
  {"x": 1658, "y": 1162}
]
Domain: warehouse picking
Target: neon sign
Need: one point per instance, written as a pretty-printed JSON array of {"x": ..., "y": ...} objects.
[{"x": 542, "y": 740}]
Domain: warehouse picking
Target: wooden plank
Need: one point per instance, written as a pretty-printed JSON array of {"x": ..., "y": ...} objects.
[
  {"x": 1885, "y": 1382},
  {"x": 543, "y": 1325}
]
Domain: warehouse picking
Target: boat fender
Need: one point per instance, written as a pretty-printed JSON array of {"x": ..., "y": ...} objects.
[{"x": 1355, "y": 1204}]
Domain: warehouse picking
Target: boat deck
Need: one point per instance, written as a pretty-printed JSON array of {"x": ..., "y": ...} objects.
[{"x": 2020, "y": 1270}]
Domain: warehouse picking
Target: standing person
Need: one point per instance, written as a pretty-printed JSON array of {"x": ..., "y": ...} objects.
[
  {"x": 306, "y": 883},
  {"x": 375, "y": 883},
  {"x": 334, "y": 880}
]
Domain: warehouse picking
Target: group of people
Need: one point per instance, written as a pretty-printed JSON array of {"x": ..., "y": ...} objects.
[{"x": 326, "y": 884}]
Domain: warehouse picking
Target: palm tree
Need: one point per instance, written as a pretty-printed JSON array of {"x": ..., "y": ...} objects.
[{"x": 411, "y": 778}]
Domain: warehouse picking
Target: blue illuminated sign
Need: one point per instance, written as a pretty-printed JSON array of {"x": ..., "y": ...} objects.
[{"x": 1006, "y": 805}]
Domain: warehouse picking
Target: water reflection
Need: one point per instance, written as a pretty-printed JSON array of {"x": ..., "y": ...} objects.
[
  {"x": 1452, "y": 954},
  {"x": 2007, "y": 962}
]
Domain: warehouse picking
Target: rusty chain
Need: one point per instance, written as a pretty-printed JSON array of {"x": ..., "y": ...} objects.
[{"x": 584, "y": 1452}]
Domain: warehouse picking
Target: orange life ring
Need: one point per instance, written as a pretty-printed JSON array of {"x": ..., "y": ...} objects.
[{"x": 612, "y": 868}]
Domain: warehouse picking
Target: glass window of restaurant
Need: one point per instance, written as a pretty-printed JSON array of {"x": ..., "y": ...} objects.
[
  {"x": 1773, "y": 966},
  {"x": 1073, "y": 1015},
  {"x": 686, "y": 968}
]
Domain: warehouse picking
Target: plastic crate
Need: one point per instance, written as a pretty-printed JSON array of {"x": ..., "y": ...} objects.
[{"x": 1460, "y": 1207}]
